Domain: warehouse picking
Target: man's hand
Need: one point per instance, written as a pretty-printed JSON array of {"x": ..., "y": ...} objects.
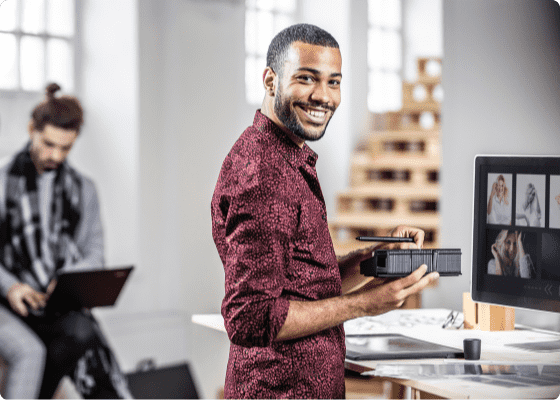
[
  {"x": 50, "y": 288},
  {"x": 349, "y": 264},
  {"x": 383, "y": 295},
  {"x": 407, "y": 231},
  {"x": 20, "y": 294}
]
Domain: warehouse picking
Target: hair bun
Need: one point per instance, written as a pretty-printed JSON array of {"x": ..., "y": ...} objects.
[{"x": 51, "y": 89}]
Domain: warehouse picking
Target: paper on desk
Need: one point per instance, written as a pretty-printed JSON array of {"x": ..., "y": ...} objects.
[{"x": 398, "y": 320}]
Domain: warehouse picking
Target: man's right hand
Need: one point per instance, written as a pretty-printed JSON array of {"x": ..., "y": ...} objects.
[
  {"x": 382, "y": 295},
  {"x": 21, "y": 294}
]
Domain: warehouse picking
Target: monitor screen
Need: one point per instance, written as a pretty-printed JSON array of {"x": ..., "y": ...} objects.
[{"x": 516, "y": 231}]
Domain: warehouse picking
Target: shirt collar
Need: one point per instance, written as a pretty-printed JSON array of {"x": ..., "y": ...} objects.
[{"x": 295, "y": 155}]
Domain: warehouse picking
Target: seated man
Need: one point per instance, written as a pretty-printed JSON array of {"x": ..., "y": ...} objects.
[{"x": 50, "y": 222}]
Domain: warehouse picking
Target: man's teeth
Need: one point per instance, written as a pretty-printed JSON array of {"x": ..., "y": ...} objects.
[{"x": 317, "y": 114}]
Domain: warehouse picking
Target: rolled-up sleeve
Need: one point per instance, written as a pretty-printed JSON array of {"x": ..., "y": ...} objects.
[{"x": 258, "y": 228}]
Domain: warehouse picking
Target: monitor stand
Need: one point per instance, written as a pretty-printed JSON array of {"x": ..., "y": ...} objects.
[{"x": 544, "y": 347}]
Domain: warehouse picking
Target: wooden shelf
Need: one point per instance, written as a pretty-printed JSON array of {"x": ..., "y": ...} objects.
[
  {"x": 394, "y": 174},
  {"x": 397, "y": 189},
  {"x": 356, "y": 220}
]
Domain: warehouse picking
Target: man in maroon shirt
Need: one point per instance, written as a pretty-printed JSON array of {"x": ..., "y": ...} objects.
[{"x": 283, "y": 307}]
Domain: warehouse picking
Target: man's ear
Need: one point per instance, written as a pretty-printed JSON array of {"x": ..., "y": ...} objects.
[
  {"x": 269, "y": 81},
  {"x": 30, "y": 128}
]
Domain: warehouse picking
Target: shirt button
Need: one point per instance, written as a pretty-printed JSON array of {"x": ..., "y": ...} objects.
[{"x": 324, "y": 217}]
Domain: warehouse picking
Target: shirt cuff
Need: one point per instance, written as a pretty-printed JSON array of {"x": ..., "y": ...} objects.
[{"x": 7, "y": 281}]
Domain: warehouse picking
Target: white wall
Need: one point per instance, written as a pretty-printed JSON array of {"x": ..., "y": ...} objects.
[
  {"x": 501, "y": 80},
  {"x": 192, "y": 110}
]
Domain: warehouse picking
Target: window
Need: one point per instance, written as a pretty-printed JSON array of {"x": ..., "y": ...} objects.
[
  {"x": 384, "y": 55},
  {"x": 37, "y": 44},
  {"x": 263, "y": 20}
]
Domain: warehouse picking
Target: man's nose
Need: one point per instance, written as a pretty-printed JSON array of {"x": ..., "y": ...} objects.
[
  {"x": 321, "y": 94},
  {"x": 57, "y": 155}
]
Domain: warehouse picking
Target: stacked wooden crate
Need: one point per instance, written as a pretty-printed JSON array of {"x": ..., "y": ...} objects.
[{"x": 394, "y": 176}]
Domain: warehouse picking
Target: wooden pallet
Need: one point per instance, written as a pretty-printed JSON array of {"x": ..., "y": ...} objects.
[{"x": 394, "y": 174}]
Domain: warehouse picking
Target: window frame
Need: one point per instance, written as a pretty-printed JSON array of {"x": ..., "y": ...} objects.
[
  {"x": 251, "y": 76},
  {"x": 73, "y": 41},
  {"x": 396, "y": 72}
]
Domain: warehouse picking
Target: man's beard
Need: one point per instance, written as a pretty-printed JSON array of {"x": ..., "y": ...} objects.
[{"x": 287, "y": 115}]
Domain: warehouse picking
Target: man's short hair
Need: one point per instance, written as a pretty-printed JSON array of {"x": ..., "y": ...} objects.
[{"x": 306, "y": 33}]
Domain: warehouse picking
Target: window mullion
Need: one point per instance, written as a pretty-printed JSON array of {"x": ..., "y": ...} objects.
[
  {"x": 45, "y": 41},
  {"x": 18, "y": 34}
]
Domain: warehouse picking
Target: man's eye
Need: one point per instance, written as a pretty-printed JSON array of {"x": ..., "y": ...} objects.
[{"x": 306, "y": 78}]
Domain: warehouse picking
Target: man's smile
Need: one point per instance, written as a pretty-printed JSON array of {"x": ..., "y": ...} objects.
[{"x": 315, "y": 115}]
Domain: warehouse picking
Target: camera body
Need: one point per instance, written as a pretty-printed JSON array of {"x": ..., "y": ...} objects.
[{"x": 396, "y": 263}]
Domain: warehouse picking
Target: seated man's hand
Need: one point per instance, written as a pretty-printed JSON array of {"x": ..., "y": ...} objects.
[
  {"x": 50, "y": 288},
  {"x": 20, "y": 294}
]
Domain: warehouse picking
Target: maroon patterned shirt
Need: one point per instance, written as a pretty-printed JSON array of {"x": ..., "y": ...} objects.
[{"x": 269, "y": 224}]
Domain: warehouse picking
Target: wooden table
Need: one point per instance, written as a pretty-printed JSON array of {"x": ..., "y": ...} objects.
[{"x": 494, "y": 351}]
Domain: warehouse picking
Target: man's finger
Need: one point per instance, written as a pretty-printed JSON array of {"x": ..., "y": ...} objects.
[
  {"x": 421, "y": 284},
  {"x": 20, "y": 308},
  {"x": 413, "y": 277}
]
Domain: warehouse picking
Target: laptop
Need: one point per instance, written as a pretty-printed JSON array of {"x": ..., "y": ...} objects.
[{"x": 87, "y": 289}]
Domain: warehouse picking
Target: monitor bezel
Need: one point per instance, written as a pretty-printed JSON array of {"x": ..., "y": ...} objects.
[{"x": 482, "y": 164}]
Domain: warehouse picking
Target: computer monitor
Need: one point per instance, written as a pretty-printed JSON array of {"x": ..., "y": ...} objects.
[{"x": 516, "y": 231}]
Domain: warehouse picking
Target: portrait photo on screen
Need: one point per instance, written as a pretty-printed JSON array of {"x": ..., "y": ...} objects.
[
  {"x": 530, "y": 200},
  {"x": 499, "y": 199},
  {"x": 550, "y": 256},
  {"x": 511, "y": 253},
  {"x": 554, "y": 217}
]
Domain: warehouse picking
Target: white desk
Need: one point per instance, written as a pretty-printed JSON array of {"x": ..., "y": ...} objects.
[{"x": 494, "y": 351}]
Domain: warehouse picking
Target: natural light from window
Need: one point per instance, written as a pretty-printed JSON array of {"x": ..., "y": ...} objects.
[
  {"x": 384, "y": 55},
  {"x": 263, "y": 20},
  {"x": 36, "y": 44}
]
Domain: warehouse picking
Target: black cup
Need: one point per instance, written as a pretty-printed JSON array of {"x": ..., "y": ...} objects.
[{"x": 471, "y": 347}]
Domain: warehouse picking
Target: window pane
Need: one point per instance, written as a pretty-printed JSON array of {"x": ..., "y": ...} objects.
[
  {"x": 60, "y": 64},
  {"x": 393, "y": 91},
  {"x": 375, "y": 48},
  {"x": 391, "y": 50},
  {"x": 391, "y": 14},
  {"x": 282, "y": 21},
  {"x": 285, "y": 6},
  {"x": 254, "y": 68},
  {"x": 60, "y": 17},
  {"x": 265, "y": 31},
  {"x": 375, "y": 95},
  {"x": 375, "y": 12},
  {"x": 32, "y": 61},
  {"x": 8, "y": 64},
  {"x": 33, "y": 16},
  {"x": 251, "y": 32},
  {"x": 385, "y": 13},
  {"x": 385, "y": 92},
  {"x": 265, "y": 4},
  {"x": 8, "y": 14}
]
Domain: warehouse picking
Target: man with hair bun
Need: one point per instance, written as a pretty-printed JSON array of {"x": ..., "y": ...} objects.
[
  {"x": 283, "y": 307},
  {"x": 50, "y": 223}
]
